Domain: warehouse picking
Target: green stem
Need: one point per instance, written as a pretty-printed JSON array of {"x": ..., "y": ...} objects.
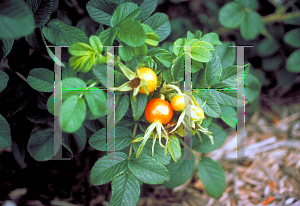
[
  {"x": 133, "y": 136},
  {"x": 93, "y": 84},
  {"x": 174, "y": 87}
]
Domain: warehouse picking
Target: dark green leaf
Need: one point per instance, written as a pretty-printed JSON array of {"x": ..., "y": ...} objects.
[
  {"x": 104, "y": 170},
  {"x": 148, "y": 169},
  {"x": 160, "y": 23},
  {"x": 123, "y": 138},
  {"x": 5, "y": 138},
  {"x": 3, "y": 80},
  {"x": 180, "y": 172},
  {"x": 227, "y": 54},
  {"x": 267, "y": 47},
  {"x": 100, "y": 71},
  {"x": 211, "y": 108},
  {"x": 122, "y": 105},
  {"x": 139, "y": 105},
  {"x": 230, "y": 15},
  {"x": 212, "y": 176},
  {"x": 125, "y": 190},
  {"x": 41, "y": 144},
  {"x": 147, "y": 7},
  {"x": 61, "y": 34},
  {"x": 69, "y": 86},
  {"x": 293, "y": 62},
  {"x": 177, "y": 69},
  {"x": 16, "y": 19},
  {"x": 41, "y": 79},
  {"x": 41, "y": 10},
  {"x": 228, "y": 97},
  {"x": 35, "y": 40},
  {"x": 75, "y": 143},
  {"x": 212, "y": 37},
  {"x": 219, "y": 136},
  {"x": 125, "y": 52},
  {"x": 124, "y": 12},
  {"x": 251, "y": 25},
  {"x": 252, "y": 87},
  {"x": 228, "y": 115},
  {"x": 101, "y": 10},
  {"x": 213, "y": 69},
  {"x": 162, "y": 55},
  {"x": 5, "y": 47}
]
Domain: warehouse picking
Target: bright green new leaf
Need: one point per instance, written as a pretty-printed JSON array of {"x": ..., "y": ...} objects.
[
  {"x": 41, "y": 79},
  {"x": 212, "y": 37},
  {"x": 105, "y": 169},
  {"x": 178, "y": 47},
  {"x": 212, "y": 176},
  {"x": 5, "y": 138},
  {"x": 80, "y": 49},
  {"x": 73, "y": 114},
  {"x": 96, "y": 44}
]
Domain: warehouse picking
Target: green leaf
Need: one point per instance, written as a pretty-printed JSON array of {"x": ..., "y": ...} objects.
[
  {"x": 141, "y": 50},
  {"x": 125, "y": 190},
  {"x": 293, "y": 62},
  {"x": 41, "y": 79},
  {"x": 89, "y": 26},
  {"x": 41, "y": 10},
  {"x": 75, "y": 143},
  {"x": 273, "y": 63},
  {"x": 41, "y": 144},
  {"x": 36, "y": 41},
  {"x": 174, "y": 148},
  {"x": 252, "y": 87},
  {"x": 177, "y": 69},
  {"x": 206, "y": 122},
  {"x": 100, "y": 71},
  {"x": 212, "y": 176},
  {"x": 5, "y": 47},
  {"x": 229, "y": 77},
  {"x": 147, "y": 6},
  {"x": 167, "y": 75},
  {"x": 228, "y": 115},
  {"x": 162, "y": 55},
  {"x": 16, "y": 19},
  {"x": 230, "y": 15},
  {"x": 61, "y": 34},
  {"x": 3, "y": 80},
  {"x": 160, "y": 23},
  {"x": 124, "y": 12},
  {"x": 228, "y": 97},
  {"x": 180, "y": 172},
  {"x": 189, "y": 35},
  {"x": 267, "y": 47},
  {"x": 285, "y": 79},
  {"x": 5, "y": 138},
  {"x": 68, "y": 72},
  {"x": 72, "y": 83},
  {"x": 101, "y": 11},
  {"x": 248, "y": 4},
  {"x": 211, "y": 108},
  {"x": 205, "y": 147},
  {"x": 50, "y": 104},
  {"x": 199, "y": 52},
  {"x": 123, "y": 138},
  {"x": 178, "y": 46},
  {"x": 212, "y": 38},
  {"x": 122, "y": 105},
  {"x": 138, "y": 106},
  {"x": 125, "y": 52},
  {"x": 251, "y": 25},
  {"x": 159, "y": 153},
  {"x": 213, "y": 69},
  {"x": 96, "y": 100},
  {"x": 148, "y": 169},
  {"x": 226, "y": 54},
  {"x": 105, "y": 169},
  {"x": 104, "y": 36},
  {"x": 131, "y": 33},
  {"x": 96, "y": 44},
  {"x": 73, "y": 114}
]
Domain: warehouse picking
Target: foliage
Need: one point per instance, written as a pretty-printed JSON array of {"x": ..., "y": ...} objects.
[{"x": 143, "y": 152}]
